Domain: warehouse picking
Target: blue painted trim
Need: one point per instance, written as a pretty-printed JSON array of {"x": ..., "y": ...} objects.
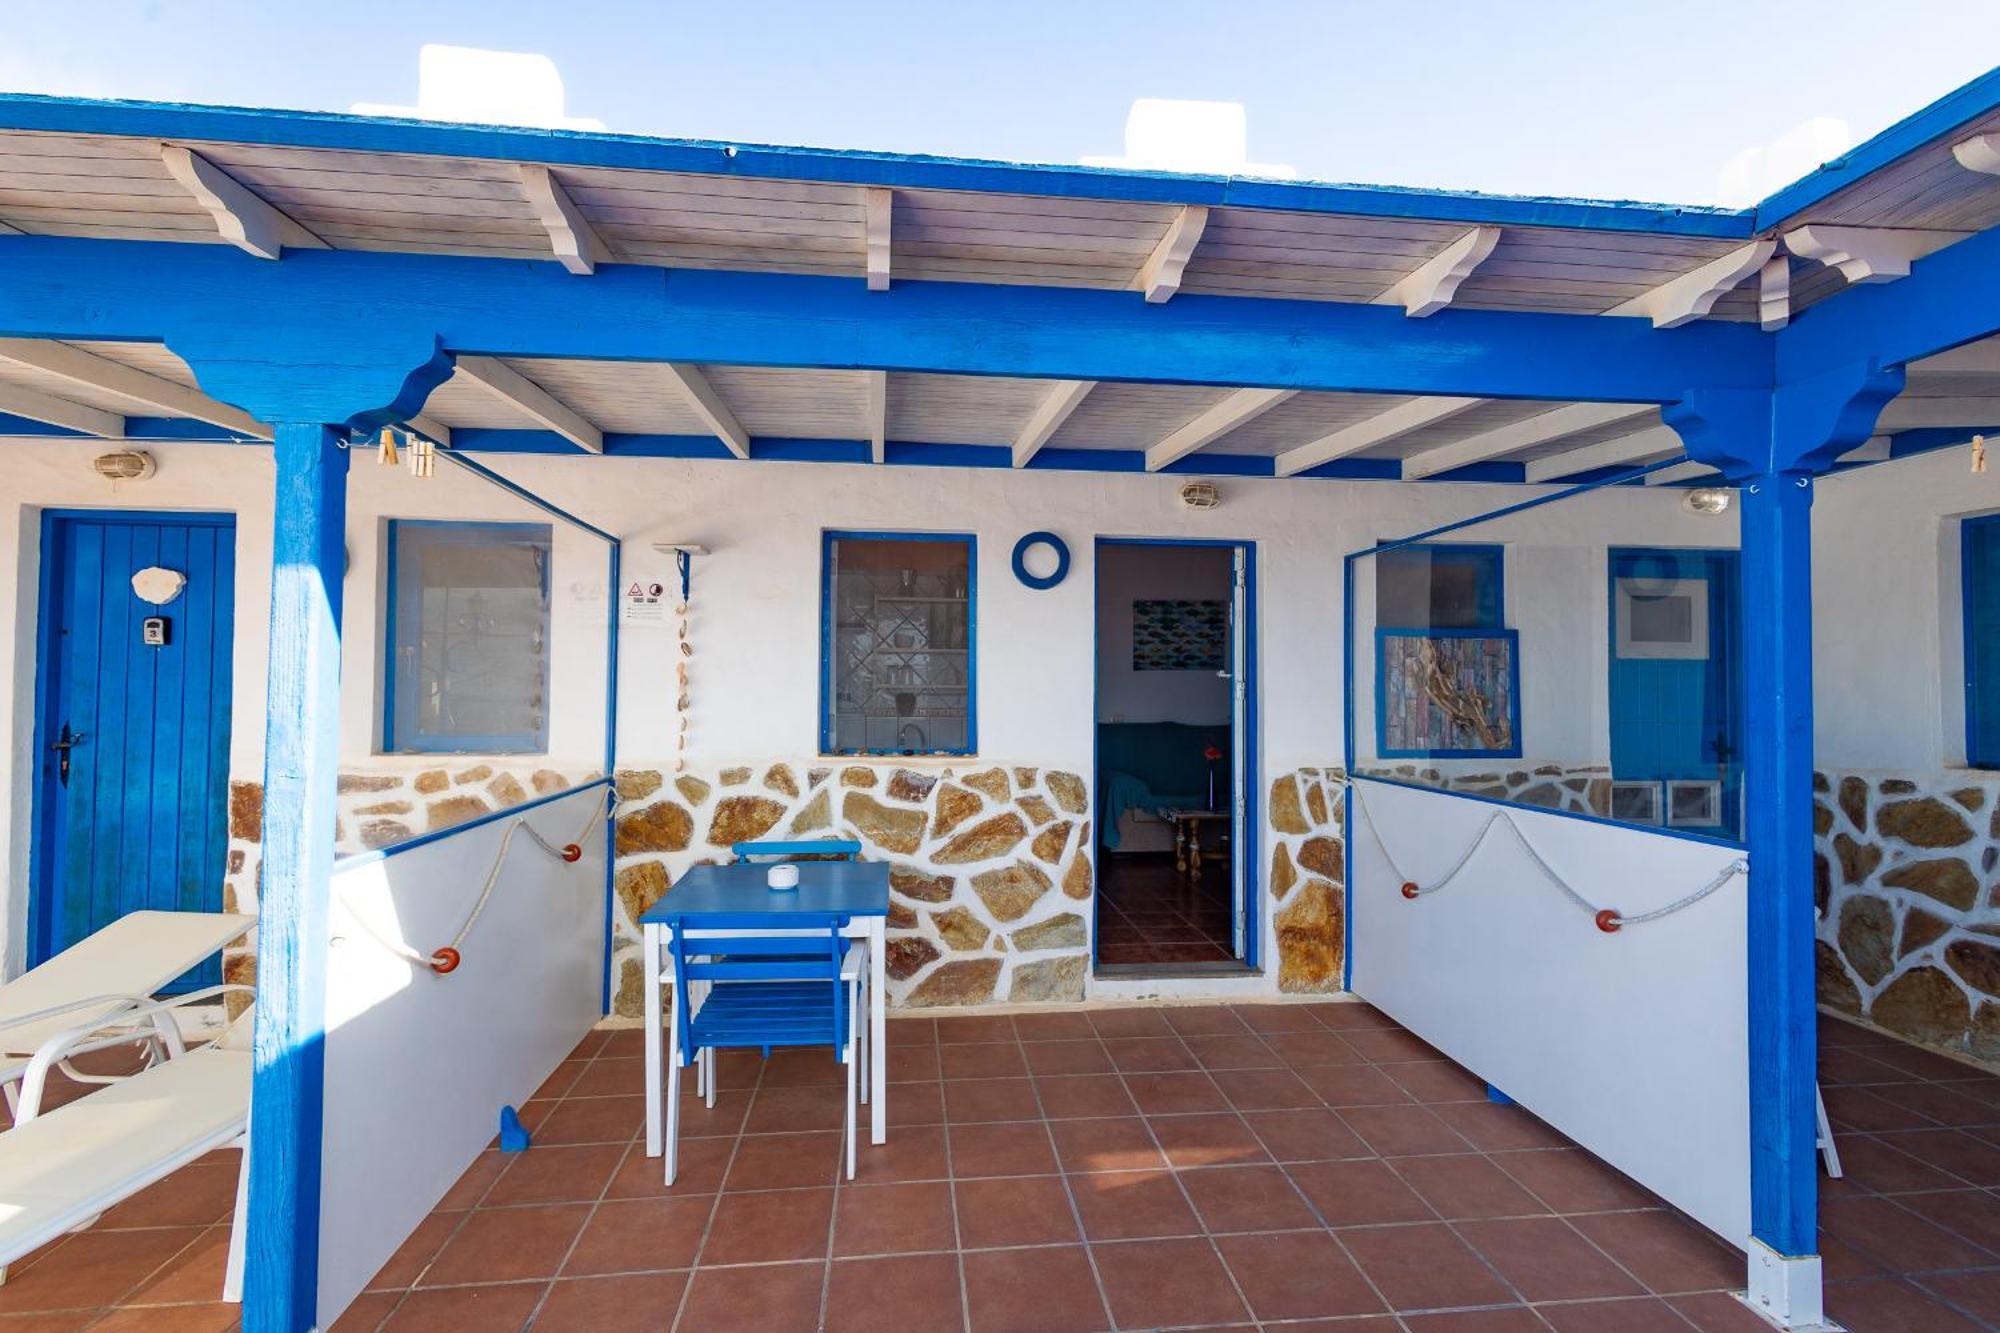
[
  {"x": 179, "y": 121},
  {"x": 1382, "y": 636},
  {"x": 1251, "y": 835},
  {"x": 1963, "y": 105},
  {"x": 1347, "y": 889},
  {"x": 1505, "y": 511},
  {"x": 1683, "y": 835},
  {"x": 847, "y": 847},
  {"x": 43, "y": 854},
  {"x": 828, "y": 537},
  {"x": 452, "y": 531},
  {"x": 1983, "y": 693},
  {"x": 1949, "y": 298},
  {"x": 1028, "y": 543},
  {"x": 430, "y": 836},
  {"x": 301, "y": 775},
  {"x": 1497, "y": 1097},
  {"x": 614, "y": 559},
  {"x": 514, "y": 1135}
]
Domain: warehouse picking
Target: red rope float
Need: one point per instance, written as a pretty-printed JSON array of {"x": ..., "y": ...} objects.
[
  {"x": 1607, "y": 921},
  {"x": 1410, "y": 890},
  {"x": 445, "y": 960},
  {"x": 572, "y": 853}
]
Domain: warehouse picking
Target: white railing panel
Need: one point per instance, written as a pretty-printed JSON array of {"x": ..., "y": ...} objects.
[
  {"x": 1633, "y": 1043},
  {"x": 418, "y": 1065}
]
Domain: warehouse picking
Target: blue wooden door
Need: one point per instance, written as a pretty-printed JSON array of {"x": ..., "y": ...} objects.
[
  {"x": 132, "y": 736},
  {"x": 1676, "y": 684}
]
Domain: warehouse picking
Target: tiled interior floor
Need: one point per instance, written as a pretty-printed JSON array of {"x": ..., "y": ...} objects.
[
  {"x": 1278, "y": 1166},
  {"x": 1150, "y": 913}
]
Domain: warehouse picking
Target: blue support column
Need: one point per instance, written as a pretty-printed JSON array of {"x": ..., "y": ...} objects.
[
  {"x": 300, "y": 775},
  {"x": 1771, "y": 445},
  {"x": 1777, "y": 774}
]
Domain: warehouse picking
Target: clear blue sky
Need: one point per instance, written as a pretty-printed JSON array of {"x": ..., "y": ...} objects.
[{"x": 1610, "y": 98}]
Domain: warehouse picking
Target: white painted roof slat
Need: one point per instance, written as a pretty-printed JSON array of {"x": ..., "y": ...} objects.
[
  {"x": 153, "y": 358},
  {"x": 625, "y": 397},
  {"x": 127, "y": 177},
  {"x": 340, "y": 241},
  {"x": 1583, "y": 439},
  {"x": 52, "y": 143},
  {"x": 1133, "y": 416},
  {"x": 1035, "y": 210},
  {"x": 1885, "y": 194},
  {"x": 697, "y": 188},
  {"x": 459, "y": 402},
  {"x": 55, "y": 386},
  {"x": 1463, "y": 425},
  {"x": 940, "y": 224},
  {"x": 962, "y": 409},
  {"x": 717, "y": 229},
  {"x": 833, "y": 263},
  {"x": 232, "y": 156},
  {"x": 402, "y": 210},
  {"x": 1301, "y": 419},
  {"x": 799, "y": 404},
  {"x": 113, "y": 231},
  {"x": 723, "y": 212},
  {"x": 947, "y": 269}
]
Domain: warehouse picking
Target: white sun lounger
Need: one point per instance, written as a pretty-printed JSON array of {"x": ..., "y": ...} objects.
[
  {"x": 61, "y": 1169},
  {"x": 125, "y": 961}
]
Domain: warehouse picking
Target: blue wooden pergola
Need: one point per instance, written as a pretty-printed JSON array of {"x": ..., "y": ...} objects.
[{"x": 327, "y": 341}]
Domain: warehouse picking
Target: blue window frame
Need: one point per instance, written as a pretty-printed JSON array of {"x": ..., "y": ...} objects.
[
  {"x": 467, "y": 638},
  {"x": 1440, "y": 585},
  {"x": 898, "y": 666},
  {"x": 1979, "y": 575}
]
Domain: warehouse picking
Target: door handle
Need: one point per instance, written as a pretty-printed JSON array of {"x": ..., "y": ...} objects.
[{"x": 62, "y": 745}]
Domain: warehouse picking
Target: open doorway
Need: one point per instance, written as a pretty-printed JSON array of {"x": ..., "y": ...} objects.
[{"x": 1174, "y": 695}]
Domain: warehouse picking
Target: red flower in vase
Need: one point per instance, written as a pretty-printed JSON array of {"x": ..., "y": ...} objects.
[{"x": 1211, "y": 754}]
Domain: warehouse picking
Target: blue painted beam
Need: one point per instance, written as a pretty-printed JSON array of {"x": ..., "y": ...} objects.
[
  {"x": 301, "y": 762},
  {"x": 369, "y": 326},
  {"x": 1951, "y": 297},
  {"x": 171, "y": 121}
]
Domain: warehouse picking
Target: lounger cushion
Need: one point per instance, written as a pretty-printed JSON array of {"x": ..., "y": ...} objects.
[{"x": 68, "y": 1165}]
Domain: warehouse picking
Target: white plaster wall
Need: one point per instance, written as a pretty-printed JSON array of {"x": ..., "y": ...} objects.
[
  {"x": 1888, "y": 645},
  {"x": 755, "y": 618}
]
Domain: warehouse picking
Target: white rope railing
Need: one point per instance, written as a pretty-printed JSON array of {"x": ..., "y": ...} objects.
[
  {"x": 1607, "y": 919},
  {"x": 446, "y": 959}
]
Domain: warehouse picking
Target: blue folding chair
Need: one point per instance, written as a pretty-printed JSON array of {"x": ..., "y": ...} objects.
[{"x": 768, "y": 991}]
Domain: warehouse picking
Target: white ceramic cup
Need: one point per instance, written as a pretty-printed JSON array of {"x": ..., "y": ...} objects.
[{"x": 784, "y": 875}]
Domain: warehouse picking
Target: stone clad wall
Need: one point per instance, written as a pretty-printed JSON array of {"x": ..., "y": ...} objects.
[
  {"x": 1906, "y": 882},
  {"x": 989, "y": 864},
  {"x": 1581, "y": 789},
  {"x": 1307, "y": 820}
]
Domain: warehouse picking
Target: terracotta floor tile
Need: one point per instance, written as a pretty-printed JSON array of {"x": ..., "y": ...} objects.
[
  {"x": 702, "y": 1163},
  {"x": 893, "y": 1219},
  {"x": 1067, "y": 1057},
  {"x": 593, "y": 1120},
  {"x": 1314, "y": 1047},
  {"x": 471, "y": 1187},
  {"x": 1864, "y": 1111},
  {"x": 1246, "y": 1198},
  {"x": 1571, "y": 1181},
  {"x": 610, "y": 1076},
  {"x": 1208, "y": 1140},
  {"x": 1666, "y": 1252},
  {"x": 1978, "y": 1294},
  {"x": 1403, "y": 1131},
  {"x": 916, "y": 1153},
  {"x": 628, "y": 1303},
  {"x": 1465, "y": 1186},
  {"x": 1297, "y": 1275},
  {"x": 1137, "y": 1021},
  {"x": 556, "y": 1173},
  {"x": 1718, "y": 1312},
  {"x": 1014, "y": 1210},
  {"x": 1391, "y": 1045},
  {"x": 1547, "y": 1261},
  {"x": 1149, "y": 1055},
  {"x": 725, "y": 1118},
  {"x": 1175, "y": 1094},
  {"x": 1358, "y": 1193},
  {"x": 914, "y": 1064},
  {"x": 1230, "y": 1051},
  {"x": 1437, "y": 1082},
  {"x": 508, "y": 1245},
  {"x": 640, "y": 1235},
  {"x": 1906, "y": 1243},
  {"x": 1058, "y": 1025},
  {"x": 92, "y": 1268},
  {"x": 1343, "y": 1014},
  {"x": 1491, "y": 1127},
  {"x": 784, "y": 1161},
  {"x": 1423, "y": 1267},
  {"x": 364, "y": 1314},
  {"x": 1507, "y": 1319},
  {"x": 1891, "y": 1306},
  {"x": 1203, "y": 1020},
  {"x": 194, "y": 1276},
  {"x": 797, "y": 1110},
  {"x": 498, "y": 1308},
  {"x": 1123, "y": 1144},
  {"x": 974, "y": 1101},
  {"x": 911, "y": 1104},
  {"x": 1152, "y": 1283},
  {"x": 771, "y": 1298},
  {"x": 1049, "y": 1290},
  {"x": 1973, "y": 1215},
  {"x": 1007, "y": 1149},
  {"x": 1873, "y": 1163},
  {"x": 814, "y": 1067},
  {"x": 1971, "y": 1159},
  {"x": 974, "y": 1027},
  {"x": 1269, "y": 1018},
  {"x": 1084, "y": 1096},
  {"x": 982, "y": 1060},
  {"x": 768, "y": 1226},
  {"x": 197, "y": 1195},
  {"x": 1355, "y": 1085},
  {"x": 915, "y": 1293},
  {"x": 1267, "y": 1090},
  {"x": 1132, "y": 1205},
  {"x": 415, "y": 1253}
]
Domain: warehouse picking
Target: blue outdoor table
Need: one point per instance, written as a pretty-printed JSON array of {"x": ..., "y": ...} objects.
[{"x": 858, "y": 890}]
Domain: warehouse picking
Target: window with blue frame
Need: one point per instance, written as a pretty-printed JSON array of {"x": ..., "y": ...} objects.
[
  {"x": 897, "y": 644},
  {"x": 1979, "y": 572},
  {"x": 1447, "y": 674},
  {"x": 468, "y": 638}
]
